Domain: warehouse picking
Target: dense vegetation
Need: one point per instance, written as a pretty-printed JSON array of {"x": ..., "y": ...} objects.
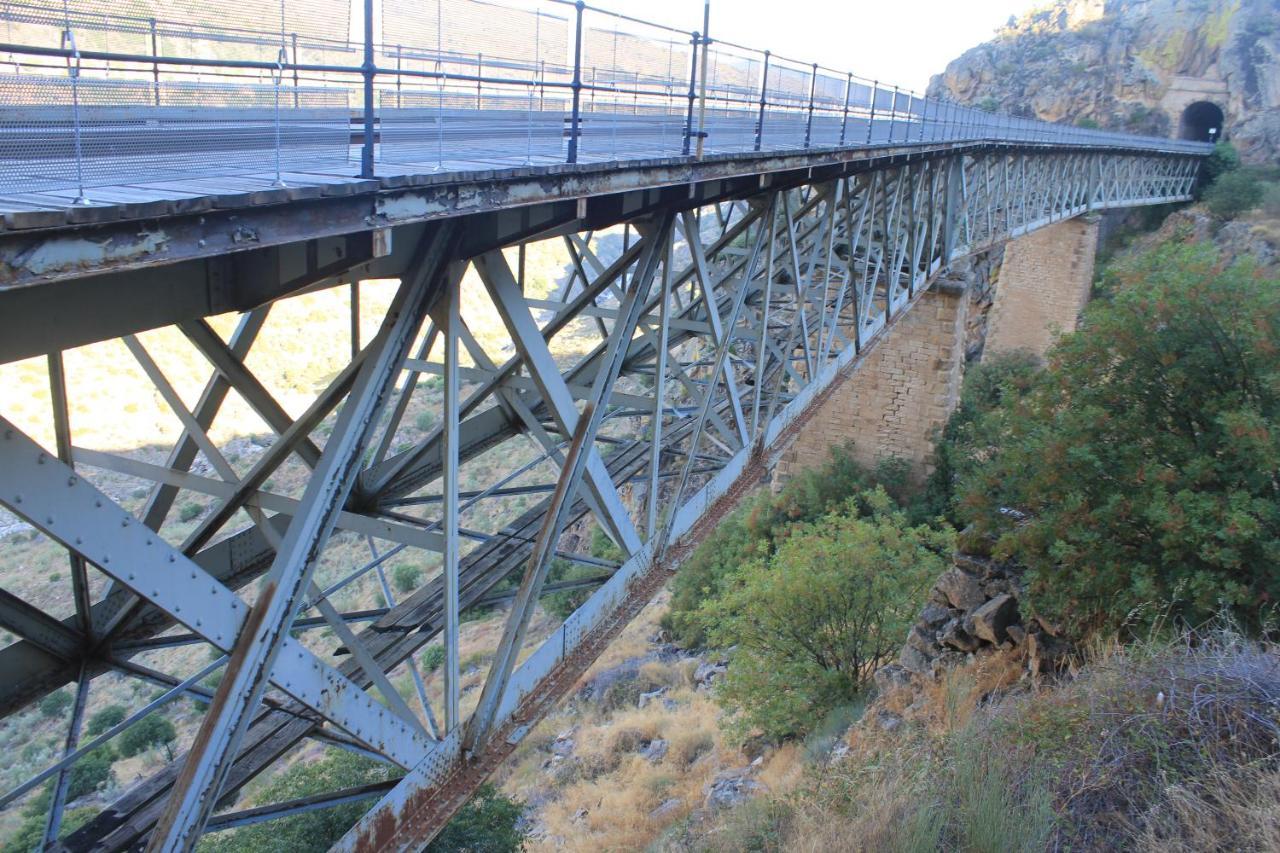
[
  {"x": 486, "y": 825},
  {"x": 813, "y": 588},
  {"x": 1230, "y": 189},
  {"x": 813, "y": 621},
  {"x": 1139, "y": 468}
]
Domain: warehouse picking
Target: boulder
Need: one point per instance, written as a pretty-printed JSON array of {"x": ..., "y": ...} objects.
[
  {"x": 891, "y": 676},
  {"x": 933, "y": 615},
  {"x": 962, "y": 590},
  {"x": 991, "y": 619},
  {"x": 954, "y": 635},
  {"x": 730, "y": 788},
  {"x": 914, "y": 660},
  {"x": 888, "y": 721},
  {"x": 922, "y": 641},
  {"x": 655, "y": 751},
  {"x": 708, "y": 671},
  {"x": 563, "y": 745}
]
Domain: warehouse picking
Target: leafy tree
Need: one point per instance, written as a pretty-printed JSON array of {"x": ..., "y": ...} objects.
[
  {"x": 189, "y": 511},
  {"x": 812, "y": 622},
  {"x": 1141, "y": 467},
  {"x": 1234, "y": 192},
  {"x": 490, "y": 823},
  {"x": 104, "y": 719},
  {"x": 153, "y": 730},
  {"x": 406, "y": 577},
  {"x": 90, "y": 772},
  {"x": 1224, "y": 159},
  {"x": 987, "y": 384},
  {"x": 53, "y": 704}
]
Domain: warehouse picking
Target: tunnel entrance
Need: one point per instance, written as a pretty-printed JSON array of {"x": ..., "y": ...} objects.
[{"x": 1202, "y": 122}]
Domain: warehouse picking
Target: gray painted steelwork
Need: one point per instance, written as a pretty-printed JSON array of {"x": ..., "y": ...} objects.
[{"x": 741, "y": 286}]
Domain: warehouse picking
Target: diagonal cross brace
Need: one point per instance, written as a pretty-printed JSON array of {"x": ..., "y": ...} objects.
[
  {"x": 217, "y": 742},
  {"x": 510, "y": 303},
  {"x": 52, "y": 497},
  {"x": 574, "y": 471}
]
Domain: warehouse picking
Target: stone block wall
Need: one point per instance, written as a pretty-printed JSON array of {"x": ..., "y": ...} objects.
[
  {"x": 1043, "y": 286},
  {"x": 893, "y": 403}
]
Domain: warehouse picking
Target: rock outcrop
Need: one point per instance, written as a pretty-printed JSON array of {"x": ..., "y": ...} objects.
[
  {"x": 973, "y": 610},
  {"x": 1133, "y": 65}
]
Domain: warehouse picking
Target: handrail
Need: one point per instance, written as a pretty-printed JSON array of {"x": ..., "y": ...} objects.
[{"x": 752, "y": 100}]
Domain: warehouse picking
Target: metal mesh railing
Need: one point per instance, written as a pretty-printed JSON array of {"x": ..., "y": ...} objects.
[{"x": 95, "y": 94}]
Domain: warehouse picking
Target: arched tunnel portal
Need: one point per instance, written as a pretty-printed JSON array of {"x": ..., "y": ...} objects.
[{"x": 1201, "y": 122}]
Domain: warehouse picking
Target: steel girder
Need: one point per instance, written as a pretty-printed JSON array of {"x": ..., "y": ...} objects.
[{"x": 714, "y": 328}]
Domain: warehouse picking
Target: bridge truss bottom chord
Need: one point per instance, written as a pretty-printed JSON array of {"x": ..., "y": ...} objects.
[{"x": 639, "y": 391}]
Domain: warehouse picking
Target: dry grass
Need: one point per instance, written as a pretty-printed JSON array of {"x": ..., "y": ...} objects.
[{"x": 1168, "y": 746}]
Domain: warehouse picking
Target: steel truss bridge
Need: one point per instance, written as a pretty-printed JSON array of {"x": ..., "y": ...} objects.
[{"x": 743, "y": 286}]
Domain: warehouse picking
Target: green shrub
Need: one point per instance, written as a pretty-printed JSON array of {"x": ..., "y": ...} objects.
[
  {"x": 1234, "y": 193},
  {"x": 55, "y": 703},
  {"x": 153, "y": 730},
  {"x": 189, "y": 511},
  {"x": 425, "y": 420},
  {"x": 1271, "y": 200},
  {"x": 1140, "y": 467},
  {"x": 812, "y": 623},
  {"x": 29, "y": 834},
  {"x": 602, "y": 547},
  {"x": 406, "y": 577},
  {"x": 490, "y": 823},
  {"x": 755, "y": 528},
  {"x": 433, "y": 657},
  {"x": 1087, "y": 123},
  {"x": 311, "y": 832},
  {"x": 563, "y": 602},
  {"x": 109, "y": 716},
  {"x": 1224, "y": 159}
]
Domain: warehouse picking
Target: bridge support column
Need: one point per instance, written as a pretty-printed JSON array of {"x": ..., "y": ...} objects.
[
  {"x": 1043, "y": 286},
  {"x": 895, "y": 401}
]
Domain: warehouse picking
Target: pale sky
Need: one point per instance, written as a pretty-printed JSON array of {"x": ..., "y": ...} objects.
[{"x": 901, "y": 42}]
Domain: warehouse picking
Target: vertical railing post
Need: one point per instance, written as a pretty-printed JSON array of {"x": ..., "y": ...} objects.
[
  {"x": 368, "y": 69},
  {"x": 893, "y": 113},
  {"x": 73, "y": 69},
  {"x": 399, "y": 76},
  {"x": 764, "y": 89},
  {"x": 155, "y": 65},
  {"x": 576, "y": 114},
  {"x": 693, "y": 91},
  {"x": 277, "y": 78},
  {"x": 294, "y": 39},
  {"x": 702, "y": 83},
  {"x": 813, "y": 88},
  {"x": 924, "y": 116},
  {"x": 844, "y": 121},
  {"x": 871, "y": 119}
]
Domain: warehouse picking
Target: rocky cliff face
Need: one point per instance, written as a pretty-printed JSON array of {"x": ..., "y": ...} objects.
[{"x": 1133, "y": 65}]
